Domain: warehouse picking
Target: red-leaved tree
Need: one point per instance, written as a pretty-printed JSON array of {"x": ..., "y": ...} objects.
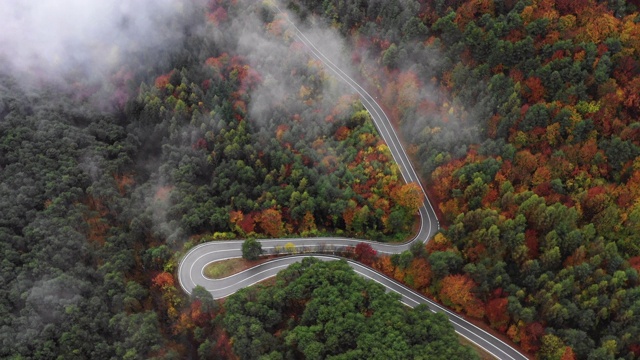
[
  {"x": 497, "y": 313},
  {"x": 365, "y": 253}
]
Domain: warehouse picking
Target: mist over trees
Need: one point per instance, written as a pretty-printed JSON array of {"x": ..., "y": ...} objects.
[
  {"x": 526, "y": 129},
  {"x": 125, "y": 141},
  {"x": 64, "y": 288},
  {"x": 109, "y": 168}
]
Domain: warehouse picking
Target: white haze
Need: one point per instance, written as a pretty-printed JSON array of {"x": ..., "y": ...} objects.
[
  {"x": 268, "y": 54},
  {"x": 49, "y": 39}
]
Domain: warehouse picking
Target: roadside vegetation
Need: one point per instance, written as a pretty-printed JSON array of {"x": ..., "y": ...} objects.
[
  {"x": 223, "y": 268},
  {"x": 522, "y": 117},
  {"x": 102, "y": 182},
  {"x": 318, "y": 310}
]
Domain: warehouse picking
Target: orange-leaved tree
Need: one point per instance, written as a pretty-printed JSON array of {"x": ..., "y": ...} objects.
[
  {"x": 420, "y": 274},
  {"x": 409, "y": 196},
  {"x": 271, "y": 222},
  {"x": 456, "y": 291}
]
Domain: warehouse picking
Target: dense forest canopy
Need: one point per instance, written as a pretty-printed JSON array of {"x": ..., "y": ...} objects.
[
  {"x": 105, "y": 179},
  {"x": 323, "y": 310},
  {"x": 540, "y": 201},
  {"x": 211, "y": 122}
]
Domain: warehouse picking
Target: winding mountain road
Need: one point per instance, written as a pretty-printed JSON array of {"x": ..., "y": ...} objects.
[{"x": 190, "y": 271}]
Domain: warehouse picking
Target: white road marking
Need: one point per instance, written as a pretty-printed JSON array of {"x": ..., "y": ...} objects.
[{"x": 383, "y": 124}]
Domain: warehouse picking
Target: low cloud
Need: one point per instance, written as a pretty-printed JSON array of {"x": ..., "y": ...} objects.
[
  {"x": 53, "y": 39},
  {"x": 282, "y": 63}
]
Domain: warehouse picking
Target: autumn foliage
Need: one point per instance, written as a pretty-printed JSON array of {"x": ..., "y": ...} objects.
[
  {"x": 271, "y": 222},
  {"x": 419, "y": 274},
  {"x": 497, "y": 313},
  {"x": 365, "y": 253},
  {"x": 521, "y": 116},
  {"x": 163, "y": 80},
  {"x": 530, "y": 336},
  {"x": 164, "y": 280},
  {"x": 409, "y": 196},
  {"x": 457, "y": 291}
]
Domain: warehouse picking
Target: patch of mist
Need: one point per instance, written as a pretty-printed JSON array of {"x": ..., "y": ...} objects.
[
  {"x": 91, "y": 165},
  {"x": 274, "y": 55},
  {"x": 62, "y": 40},
  {"x": 49, "y": 298}
]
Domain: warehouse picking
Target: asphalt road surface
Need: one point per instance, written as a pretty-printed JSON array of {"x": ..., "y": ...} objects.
[{"x": 190, "y": 271}]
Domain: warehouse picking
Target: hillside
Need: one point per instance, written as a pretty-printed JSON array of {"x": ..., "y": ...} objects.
[
  {"x": 528, "y": 136},
  {"x": 127, "y": 141}
]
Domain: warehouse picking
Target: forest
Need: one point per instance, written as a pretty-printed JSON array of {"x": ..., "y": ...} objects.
[
  {"x": 522, "y": 117},
  {"x": 320, "y": 310},
  {"x": 538, "y": 194}
]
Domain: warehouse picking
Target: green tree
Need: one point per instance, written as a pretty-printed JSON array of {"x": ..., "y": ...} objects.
[
  {"x": 390, "y": 57},
  {"x": 251, "y": 249},
  {"x": 334, "y": 313}
]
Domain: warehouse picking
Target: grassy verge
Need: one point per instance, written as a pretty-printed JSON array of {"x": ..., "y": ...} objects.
[
  {"x": 482, "y": 354},
  {"x": 224, "y": 268}
]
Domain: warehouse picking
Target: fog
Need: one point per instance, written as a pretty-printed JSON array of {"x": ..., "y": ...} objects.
[
  {"x": 103, "y": 43},
  {"x": 53, "y": 39},
  {"x": 268, "y": 53}
]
